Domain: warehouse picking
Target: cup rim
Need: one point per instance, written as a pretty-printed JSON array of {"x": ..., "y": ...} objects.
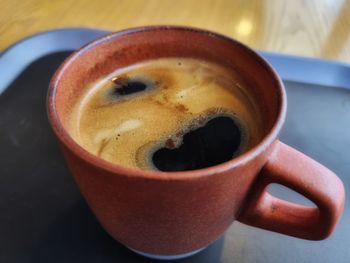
[{"x": 73, "y": 146}]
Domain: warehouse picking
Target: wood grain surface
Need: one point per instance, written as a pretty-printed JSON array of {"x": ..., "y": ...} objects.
[{"x": 316, "y": 28}]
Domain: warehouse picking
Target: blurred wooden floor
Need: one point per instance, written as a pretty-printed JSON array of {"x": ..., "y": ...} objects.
[{"x": 317, "y": 28}]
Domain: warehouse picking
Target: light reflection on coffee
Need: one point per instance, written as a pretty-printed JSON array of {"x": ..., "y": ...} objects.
[{"x": 167, "y": 114}]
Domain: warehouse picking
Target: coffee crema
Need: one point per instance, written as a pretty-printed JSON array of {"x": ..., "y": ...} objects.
[{"x": 167, "y": 114}]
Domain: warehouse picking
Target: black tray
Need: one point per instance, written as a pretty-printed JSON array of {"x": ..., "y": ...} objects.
[{"x": 43, "y": 217}]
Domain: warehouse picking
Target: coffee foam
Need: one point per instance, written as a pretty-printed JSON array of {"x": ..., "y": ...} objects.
[{"x": 182, "y": 94}]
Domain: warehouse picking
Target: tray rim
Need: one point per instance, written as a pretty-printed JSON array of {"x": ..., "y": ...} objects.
[{"x": 15, "y": 58}]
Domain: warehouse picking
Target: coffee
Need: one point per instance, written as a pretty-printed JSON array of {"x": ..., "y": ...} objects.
[{"x": 167, "y": 114}]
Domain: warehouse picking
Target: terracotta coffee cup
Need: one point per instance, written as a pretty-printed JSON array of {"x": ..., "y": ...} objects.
[{"x": 175, "y": 214}]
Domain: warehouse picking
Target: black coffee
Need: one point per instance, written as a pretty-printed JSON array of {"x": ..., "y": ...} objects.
[
  {"x": 214, "y": 143},
  {"x": 168, "y": 114}
]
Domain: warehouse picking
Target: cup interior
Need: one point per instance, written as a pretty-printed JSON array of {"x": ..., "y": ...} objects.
[{"x": 124, "y": 48}]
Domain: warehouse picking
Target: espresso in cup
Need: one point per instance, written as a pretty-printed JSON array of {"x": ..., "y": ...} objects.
[
  {"x": 167, "y": 114},
  {"x": 168, "y": 98}
]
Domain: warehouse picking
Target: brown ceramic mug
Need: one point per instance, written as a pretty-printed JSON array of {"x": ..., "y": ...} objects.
[{"x": 175, "y": 214}]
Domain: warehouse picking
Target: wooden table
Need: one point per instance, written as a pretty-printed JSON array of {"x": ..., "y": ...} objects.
[{"x": 316, "y": 28}]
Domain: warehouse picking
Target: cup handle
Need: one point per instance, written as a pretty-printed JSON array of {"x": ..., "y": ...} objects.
[{"x": 293, "y": 169}]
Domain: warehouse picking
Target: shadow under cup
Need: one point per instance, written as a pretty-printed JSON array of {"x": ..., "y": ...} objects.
[{"x": 165, "y": 213}]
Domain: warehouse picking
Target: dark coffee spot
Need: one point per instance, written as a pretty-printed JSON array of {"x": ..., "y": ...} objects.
[
  {"x": 131, "y": 87},
  {"x": 127, "y": 86},
  {"x": 214, "y": 143}
]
